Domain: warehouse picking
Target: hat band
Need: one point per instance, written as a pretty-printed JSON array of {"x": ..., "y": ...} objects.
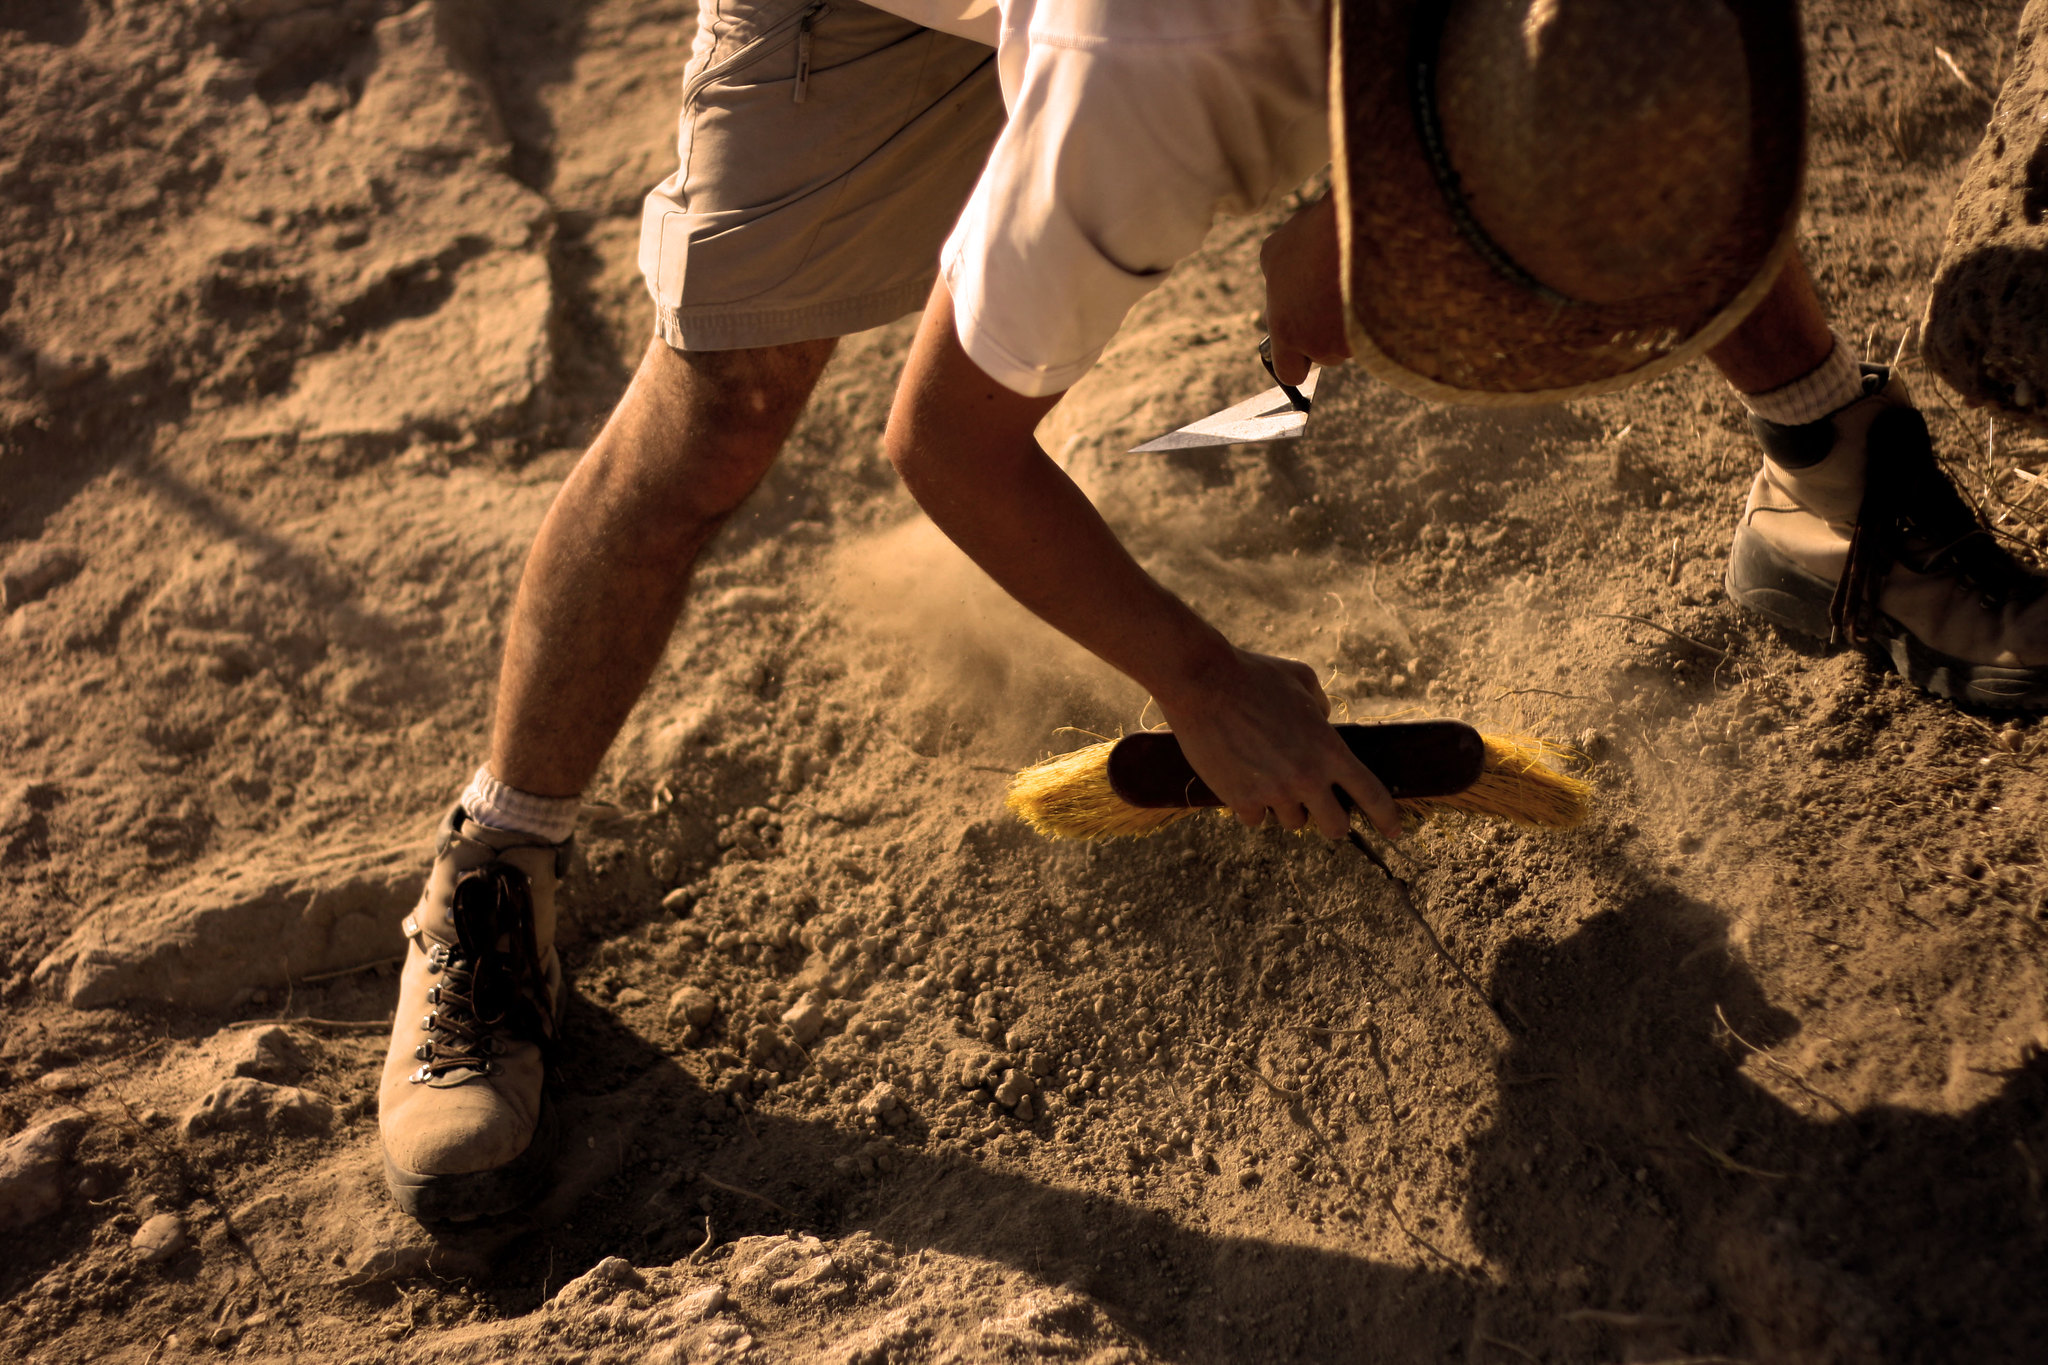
[{"x": 1425, "y": 38}]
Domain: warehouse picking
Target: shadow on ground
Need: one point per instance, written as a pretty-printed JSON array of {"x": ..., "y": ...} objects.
[{"x": 1635, "y": 1191}]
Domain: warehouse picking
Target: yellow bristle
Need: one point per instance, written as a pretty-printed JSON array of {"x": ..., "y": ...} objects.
[
  {"x": 1520, "y": 785},
  {"x": 1068, "y": 796}
]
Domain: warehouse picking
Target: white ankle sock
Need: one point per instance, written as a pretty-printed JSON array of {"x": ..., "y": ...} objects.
[
  {"x": 1837, "y": 383},
  {"x": 494, "y": 805}
]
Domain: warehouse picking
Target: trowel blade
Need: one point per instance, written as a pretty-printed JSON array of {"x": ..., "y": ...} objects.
[{"x": 1271, "y": 416}]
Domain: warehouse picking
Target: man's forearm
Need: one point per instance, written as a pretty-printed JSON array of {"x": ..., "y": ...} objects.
[
  {"x": 1255, "y": 727},
  {"x": 966, "y": 450}
]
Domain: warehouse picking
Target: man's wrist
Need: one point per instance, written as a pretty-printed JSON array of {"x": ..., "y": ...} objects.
[{"x": 1188, "y": 669}]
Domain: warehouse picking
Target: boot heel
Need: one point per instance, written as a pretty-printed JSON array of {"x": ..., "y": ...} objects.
[{"x": 1765, "y": 582}]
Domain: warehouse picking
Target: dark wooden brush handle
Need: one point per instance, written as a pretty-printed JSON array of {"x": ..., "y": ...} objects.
[{"x": 1415, "y": 758}]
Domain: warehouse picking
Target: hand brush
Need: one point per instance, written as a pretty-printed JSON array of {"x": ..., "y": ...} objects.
[{"x": 1141, "y": 783}]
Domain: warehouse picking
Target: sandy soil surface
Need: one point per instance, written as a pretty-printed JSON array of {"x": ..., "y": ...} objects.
[{"x": 305, "y": 308}]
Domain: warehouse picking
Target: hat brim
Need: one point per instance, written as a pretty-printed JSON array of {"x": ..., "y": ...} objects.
[{"x": 1429, "y": 313}]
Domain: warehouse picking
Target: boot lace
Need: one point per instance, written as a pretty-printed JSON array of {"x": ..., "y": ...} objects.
[
  {"x": 1913, "y": 516},
  {"x": 492, "y": 983}
]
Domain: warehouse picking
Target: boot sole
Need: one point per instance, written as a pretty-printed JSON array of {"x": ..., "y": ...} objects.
[
  {"x": 1765, "y": 582},
  {"x": 441, "y": 1200}
]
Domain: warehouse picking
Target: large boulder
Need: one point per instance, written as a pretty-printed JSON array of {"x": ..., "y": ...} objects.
[
  {"x": 1986, "y": 330},
  {"x": 32, "y": 1166},
  {"x": 274, "y": 916},
  {"x": 440, "y": 298}
]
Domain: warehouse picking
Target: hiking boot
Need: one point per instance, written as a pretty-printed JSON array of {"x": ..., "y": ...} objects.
[
  {"x": 462, "y": 1108},
  {"x": 1853, "y": 533}
]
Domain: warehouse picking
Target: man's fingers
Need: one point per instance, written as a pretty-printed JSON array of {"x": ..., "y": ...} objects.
[
  {"x": 1332, "y": 821},
  {"x": 1372, "y": 797},
  {"x": 1292, "y": 816},
  {"x": 1289, "y": 365}
]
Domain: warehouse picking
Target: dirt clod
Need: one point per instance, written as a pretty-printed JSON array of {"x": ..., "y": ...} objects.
[{"x": 159, "y": 1239}]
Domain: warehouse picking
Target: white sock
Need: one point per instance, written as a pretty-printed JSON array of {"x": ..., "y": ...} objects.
[
  {"x": 494, "y": 805},
  {"x": 1837, "y": 383}
]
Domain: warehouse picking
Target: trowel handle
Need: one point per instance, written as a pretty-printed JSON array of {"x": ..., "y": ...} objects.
[
  {"x": 1414, "y": 758},
  {"x": 1295, "y": 396}
]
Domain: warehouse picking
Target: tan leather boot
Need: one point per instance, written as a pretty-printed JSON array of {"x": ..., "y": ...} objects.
[
  {"x": 1853, "y": 533},
  {"x": 462, "y": 1108}
]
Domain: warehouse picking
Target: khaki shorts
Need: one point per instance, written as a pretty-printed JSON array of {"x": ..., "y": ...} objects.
[{"x": 826, "y": 150}]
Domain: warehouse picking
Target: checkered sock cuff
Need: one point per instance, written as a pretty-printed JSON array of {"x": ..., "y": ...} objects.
[
  {"x": 1836, "y": 384},
  {"x": 491, "y": 803}
]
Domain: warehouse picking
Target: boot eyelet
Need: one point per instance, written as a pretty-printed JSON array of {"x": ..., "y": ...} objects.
[
  {"x": 421, "y": 1076},
  {"x": 430, "y": 1021},
  {"x": 433, "y": 995},
  {"x": 424, "y": 1052}
]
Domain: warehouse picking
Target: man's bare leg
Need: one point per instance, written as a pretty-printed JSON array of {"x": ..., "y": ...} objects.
[
  {"x": 610, "y": 569},
  {"x": 1784, "y": 338},
  {"x": 462, "y": 1106}
]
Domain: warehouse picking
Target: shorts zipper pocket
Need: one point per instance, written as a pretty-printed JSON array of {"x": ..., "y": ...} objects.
[
  {"x": 795, "y": 27},
  {"x": 803, "y": 56}
]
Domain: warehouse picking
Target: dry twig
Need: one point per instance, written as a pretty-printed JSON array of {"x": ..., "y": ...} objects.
[
  {"x": 1484, "y": 1340},
  {"x": 1627, "y": 1322},
  {"x": 1783, "y": 1070},
  {"x": 1676, "y": 635},
  {"x": 1406, "y": 896},
  {"x": 1729, "y": 1163}
]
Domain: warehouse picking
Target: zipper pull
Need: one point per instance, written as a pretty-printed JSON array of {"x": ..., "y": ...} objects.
[{"x": 803, "y": 55}]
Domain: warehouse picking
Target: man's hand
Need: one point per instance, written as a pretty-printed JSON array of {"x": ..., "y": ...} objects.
[
  {"x": 1256, "y": 728},
  {"x": 1305, "y": 292}
]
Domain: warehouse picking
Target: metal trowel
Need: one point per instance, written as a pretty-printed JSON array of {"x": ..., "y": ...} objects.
[
  {"x": 1416, "y": 759},
  {"x": 1277, "y": 414}
]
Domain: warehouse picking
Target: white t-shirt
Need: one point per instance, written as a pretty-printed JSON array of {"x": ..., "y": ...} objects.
[
  {"x": 1133, "y": 124},
  {"x": 980, "y": 20}
]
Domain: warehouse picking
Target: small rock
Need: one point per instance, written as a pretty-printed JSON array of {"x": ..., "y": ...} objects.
[
  {"x": 679, "y": 901},
  {"x": 1025, "y": 1113},
  {"x": 268, "y": 1053},
  {"x": 884, "y": 1104},
  {"x": 630, "y": 996},
  {"x": 159, "y": 1239},
  {"x": 692, "y": 1005},
  {"x": 805, "y": 1020},
  {"x": 36, "y": 571},
  {"x": 59, "y": 369},
  {"x": 700, "y": 1305},
  {"x": 32, "y": 1170},
  {"x": 1015, "y": 1086},
  {"x": 249, "y": 1105},
  {"x": 65, "y": 1080},
  {"x": 763, "y": 1043},
  {"x": 603, "y": 1280}
]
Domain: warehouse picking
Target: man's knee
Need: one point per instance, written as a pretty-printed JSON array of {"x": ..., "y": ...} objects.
[
  {"x": 751, "y": 397},
  {"x": 695, "y": 433}
]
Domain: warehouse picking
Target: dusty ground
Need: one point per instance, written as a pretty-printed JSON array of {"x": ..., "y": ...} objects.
[{"x": 305, "y": 307}]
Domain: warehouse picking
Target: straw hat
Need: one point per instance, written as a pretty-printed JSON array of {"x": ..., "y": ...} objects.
[{"x": 1544, "y": 199}]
